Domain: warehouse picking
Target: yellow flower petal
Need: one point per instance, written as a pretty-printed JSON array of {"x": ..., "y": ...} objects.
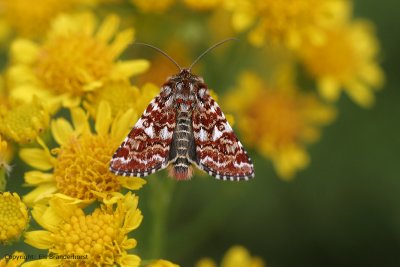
[
  {"x": 61, "y": 130},
  {"x": 69, "y": 101},
  {"x": 329, "y": 89},
  {"x": 162, "y": 263},
  {"x": 373, "y": 75},
  {"x": 236, "y": 256},
  {"x": 80, "y": 120},
  {"x": 257, "y": 36},
  {"x": 103, "y": 118},
  {"x": 24, "y": 51},
  {"x": 39, "y": 193},
  {"x": 47, "y": 218},
  {"x": 130, "y": 261},
  {"x": 91, "y": 86},
  {"x": 206, "y": 262},
  {"x": 361, "y": 94},
  {"x": 134, "y": 183},
  {"x": 134, "y": 219},
  {"x": 81, "y": 203},
  {"x": 125, "y": 69},
  {"x": 245, "y": 16},
  {"x": 122, "y": 124},
  {"x": 37, "y": 177},
  {"x": 109, "y": 198},
  {"x": 37, "y": 158},
  {"x": 42, "y": 263},
  {"x": 108, "y": 28},
  {"x": 129, "y": 243},
  {"x": 290, "y": 161},
  {"x": 39, "y": 239},
  {"x": 121, "y": 41}
]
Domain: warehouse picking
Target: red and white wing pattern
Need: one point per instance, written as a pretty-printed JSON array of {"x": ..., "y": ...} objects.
[
  {"x": 146, "y": 148},
  {"x": 218, "y": 150}
]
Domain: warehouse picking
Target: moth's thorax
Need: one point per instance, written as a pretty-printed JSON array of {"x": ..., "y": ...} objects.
[{"x": 181, "y": 90}]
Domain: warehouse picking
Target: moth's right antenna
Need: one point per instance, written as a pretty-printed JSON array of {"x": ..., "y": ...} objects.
[
  {"x": 162, "y": 52},
  {"x": 211, "y": 48}
]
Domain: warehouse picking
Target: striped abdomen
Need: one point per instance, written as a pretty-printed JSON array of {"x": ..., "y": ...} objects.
[{"x": 182, "y": 149}]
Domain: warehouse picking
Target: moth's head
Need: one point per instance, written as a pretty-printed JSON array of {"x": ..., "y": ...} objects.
[{"x": 186, "y": 73}]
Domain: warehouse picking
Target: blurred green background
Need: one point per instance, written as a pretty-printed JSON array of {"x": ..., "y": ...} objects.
[{"x": 343, "y": 210}]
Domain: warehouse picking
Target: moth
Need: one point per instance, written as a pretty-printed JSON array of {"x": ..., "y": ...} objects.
[{"x": 183, "y": 126}]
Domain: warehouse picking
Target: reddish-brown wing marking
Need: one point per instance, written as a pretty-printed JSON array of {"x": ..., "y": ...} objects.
[
  {"x": 146, "y": 148},
  {"x": 218, "y": 150}
]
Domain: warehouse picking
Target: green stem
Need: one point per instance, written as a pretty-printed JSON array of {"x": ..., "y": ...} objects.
[
  {"x": 160, "y": 197},
  {"x": 3, "y": 179}
]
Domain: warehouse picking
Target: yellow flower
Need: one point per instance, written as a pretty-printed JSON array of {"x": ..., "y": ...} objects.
[
  {"x": 122, "y": 96},
  {"x": 236, "y": 256},
  {"x": 155, "y": 6},
  {"x": 80, "y": 164},
  {"x": 32, "y": 20},
  {"x": 286, "y": 22},
  {"x": 13, "y": 217},
  {"x": 346, "y": 61},
  {"x": 162, "y": 263},
  {"x": 278, "y": 121},
  {"x": 98, "y": 239},
  {"x": 14, "y": 260},
  {"x": 76, "y": 58},
  {"x": 23, "y": 122}
]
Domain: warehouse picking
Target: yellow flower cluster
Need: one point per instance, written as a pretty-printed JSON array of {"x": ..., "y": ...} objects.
[
  {"x": 77, "y": 57},
  {"x": 287, "y": 23},
  {"x": 338, "y": 52},
  {"x": 80, "y": 164},
  {"x": 97, "y": 239},
  {"x": 278, "y": 120},
  {"x": 346, "y": 61},
  {"x": 23, "y": 122},
  {"x": 31, "y": 20},
  {"x": 13, "y": 217}
]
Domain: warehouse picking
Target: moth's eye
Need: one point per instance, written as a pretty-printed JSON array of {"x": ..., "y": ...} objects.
[
  {"x": 221, "y": 127},
  {"x": 146, "y": 124}
]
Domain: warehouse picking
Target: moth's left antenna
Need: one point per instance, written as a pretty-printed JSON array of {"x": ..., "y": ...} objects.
[{"x": 162, "y": 52}]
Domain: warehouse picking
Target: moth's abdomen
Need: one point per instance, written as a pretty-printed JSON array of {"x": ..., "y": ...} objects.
[{"x": 182, "y": 150}]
